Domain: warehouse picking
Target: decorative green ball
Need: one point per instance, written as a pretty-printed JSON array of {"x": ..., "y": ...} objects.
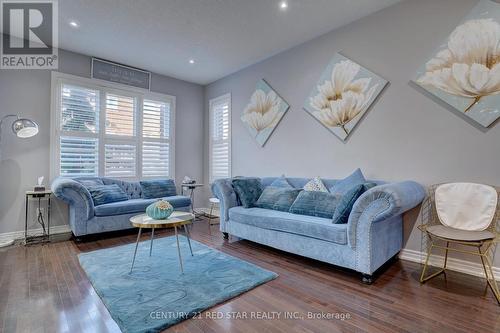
[{"x": 159, "y": 210}]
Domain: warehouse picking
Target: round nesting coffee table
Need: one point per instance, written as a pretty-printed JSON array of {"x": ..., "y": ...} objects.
[{"x": 177, "y": 219}]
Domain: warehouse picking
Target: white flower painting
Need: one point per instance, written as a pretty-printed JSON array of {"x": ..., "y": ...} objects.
[
  {"x": 264, "y": 112},
  {"x": 343, "y": 94},
  {"x": 465, "y": 71}
]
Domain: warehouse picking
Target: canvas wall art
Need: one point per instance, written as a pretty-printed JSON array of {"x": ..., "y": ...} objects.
[
  {"x": 264, "y": 112},
  {"x": 465, "y": 70},
  {"x": 342, "y": 95}
]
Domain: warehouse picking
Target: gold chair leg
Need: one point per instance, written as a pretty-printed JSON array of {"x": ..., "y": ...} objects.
[
  {"x": 488, "y": 272},
  {"x": 210, "y": 219},
  {"x": 423, "y": 278},
  {"x": 446, "y": 255}
]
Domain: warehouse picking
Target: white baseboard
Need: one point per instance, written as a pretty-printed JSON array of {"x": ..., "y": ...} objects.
[
  {"x": 453, "y": 264},
  {"x": 18, "y": 235}
]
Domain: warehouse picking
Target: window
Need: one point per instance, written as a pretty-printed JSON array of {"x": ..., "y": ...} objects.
[
  {"x": 156, "y": 134},
  {"x": 103, "y": 129},
  {"x": 220, "y": 137}
]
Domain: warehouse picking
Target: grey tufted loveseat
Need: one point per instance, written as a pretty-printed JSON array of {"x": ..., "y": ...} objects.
[{"x": 86, "y": 218}]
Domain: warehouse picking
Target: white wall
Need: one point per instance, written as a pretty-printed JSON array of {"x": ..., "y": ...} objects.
[
  {"x": 27, "y": 93},
  {"x": 405, "y": 135}
]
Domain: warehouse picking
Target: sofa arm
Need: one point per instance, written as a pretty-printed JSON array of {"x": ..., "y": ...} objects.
[
  {"x": 223, "y": 190},
  {"x": 80, "y": 202},
  {"x": 382, "y": 203}
]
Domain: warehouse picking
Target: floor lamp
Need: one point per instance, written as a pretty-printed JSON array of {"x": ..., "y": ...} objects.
[{"x": 22, "y": 128}]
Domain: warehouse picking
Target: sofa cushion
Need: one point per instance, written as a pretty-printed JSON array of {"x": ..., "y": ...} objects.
[
  {"x": 248, "y": 190},
  {"x": 345, "y": 204},
  {"x": 137, "y": 205},
  {"x": 281, "y": 182},
  {"x": 315, "y": 203},
  {"x": 103, "y": 194},
  {"x": 344, "y": 185},
  {"x": 309, "y": 226},
  {"x": 277, "y": 198},
  {"x": 158, "y": 188},
  {"x": 315, "y": 184}
]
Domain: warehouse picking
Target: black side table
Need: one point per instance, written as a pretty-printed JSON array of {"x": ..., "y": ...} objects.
[{"x": 45, "y": 236}]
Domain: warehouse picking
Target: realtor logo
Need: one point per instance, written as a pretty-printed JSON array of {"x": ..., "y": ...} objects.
[{"x": 29, "y": 39}]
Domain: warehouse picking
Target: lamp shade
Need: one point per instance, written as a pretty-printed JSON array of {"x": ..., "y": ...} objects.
[{"x": 24, "y": 128}]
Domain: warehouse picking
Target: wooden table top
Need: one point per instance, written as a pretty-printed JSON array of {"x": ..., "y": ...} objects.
[{"x": 176, "y": 219}]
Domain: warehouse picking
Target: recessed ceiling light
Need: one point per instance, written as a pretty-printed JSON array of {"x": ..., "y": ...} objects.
[
  {"x": 283, "y": 5},
  {"x": 74, "y": 24},
  {"x": 191, "y": 61}
]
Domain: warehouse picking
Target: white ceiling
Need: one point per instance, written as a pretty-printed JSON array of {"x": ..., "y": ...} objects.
[{"x": 222, "y": 36}]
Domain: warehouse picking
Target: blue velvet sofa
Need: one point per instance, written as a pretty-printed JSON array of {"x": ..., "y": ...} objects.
[
  {"x": 85, "y": 218},
  {"x": 372, "y": 236}
]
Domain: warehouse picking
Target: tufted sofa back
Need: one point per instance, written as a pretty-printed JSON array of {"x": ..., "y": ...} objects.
[
  {"x": 133, "y": 189},
  {"x": 300, "y": 182}
]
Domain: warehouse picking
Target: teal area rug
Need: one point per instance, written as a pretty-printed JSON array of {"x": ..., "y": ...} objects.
[{"x": 156, "y": 294}]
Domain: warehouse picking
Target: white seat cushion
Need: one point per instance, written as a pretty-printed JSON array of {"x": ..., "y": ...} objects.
[
  {"x": 466, "y": 206},
  {"x": 460, "y": 235}
]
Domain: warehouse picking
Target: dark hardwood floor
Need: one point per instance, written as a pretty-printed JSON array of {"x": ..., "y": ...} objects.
[{"x": 43, "y": 289}]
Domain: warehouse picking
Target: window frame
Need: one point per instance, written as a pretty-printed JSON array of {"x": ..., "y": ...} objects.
[
  {"x": 211, "y": 102},
  {"x": 103, "y": 88}
]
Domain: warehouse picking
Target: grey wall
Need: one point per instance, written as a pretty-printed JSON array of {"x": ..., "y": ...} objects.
[
  {"x": 405, "y": 135},
  {"x": 27, "y": 92}
]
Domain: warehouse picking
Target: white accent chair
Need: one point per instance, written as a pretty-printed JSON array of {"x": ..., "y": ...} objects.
[{"x": 462, "y": 214}]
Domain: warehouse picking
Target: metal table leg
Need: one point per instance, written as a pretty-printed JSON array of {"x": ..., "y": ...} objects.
[
  {"x": 191, "y": 196},
  {"x": 188, "y": 238},
  {"x": 152, "y": 236},
  {"x": 135, "y": 252},
  {"x": 48, "y": 219},
  {"x": 178, "y": 248},
  {"x": 26, "y": 222}
]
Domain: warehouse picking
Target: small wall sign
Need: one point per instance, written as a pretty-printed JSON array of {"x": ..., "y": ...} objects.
[{"x": 109, "y": 71}]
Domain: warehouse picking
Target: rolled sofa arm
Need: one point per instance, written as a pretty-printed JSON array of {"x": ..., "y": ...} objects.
[
  {"x": 223, "y": 190},
  {"x": 383, "y": 202},
  {"x": 81, "y": 206}
]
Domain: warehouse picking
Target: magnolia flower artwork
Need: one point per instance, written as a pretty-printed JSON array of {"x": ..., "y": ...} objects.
[
  {"x": 465, "y": 71},
  {"x": 264, "y": 112},
  {"x": 343, "y": 94}
]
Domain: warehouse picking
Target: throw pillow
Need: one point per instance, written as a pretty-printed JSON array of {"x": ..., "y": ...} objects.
[
  {"x": 160, "y": 188},
  {"x": 277, "y": 198},
  {"x": 315, "y": 184},
  {"x": 315, "y": 203},
  {"x": 344, "y": 185},
  {"x": 281, "y": 182},
  {"x": 248, "y": 190},
  {"x": 103, "y": 194},
  {"x": 347, "y": 201}
]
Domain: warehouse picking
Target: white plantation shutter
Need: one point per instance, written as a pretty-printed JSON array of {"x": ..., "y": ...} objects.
[
  {"x": 156, "y": 119},
  {"x": 79, "y": 109},
  {"x": 156, "y": 139},
  {"x": 220, "y": 138},
  {"x": 78, "y": 128},
  {"x": 119, "y": 160},
  {"x": 103, "y": 129},
  {"x": 155, "y": 159},
  {"x": 120, "y": 115},
  {"x": 78, "y": 157}
]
